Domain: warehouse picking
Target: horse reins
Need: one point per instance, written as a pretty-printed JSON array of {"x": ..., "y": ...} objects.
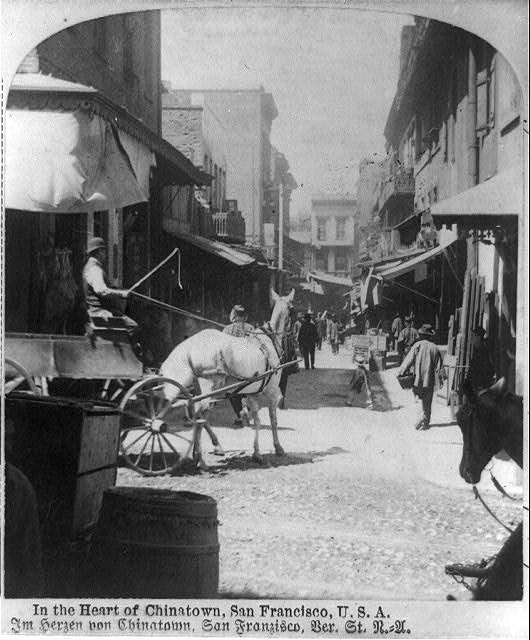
[{"x": 477, "y": 495}]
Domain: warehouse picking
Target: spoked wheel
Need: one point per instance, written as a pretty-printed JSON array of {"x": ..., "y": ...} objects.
[
  {"x": 19, "y": 379},
  {"x": 155, "y": 437}
]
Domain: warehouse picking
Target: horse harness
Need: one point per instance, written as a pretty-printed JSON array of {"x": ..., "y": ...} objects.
[{"x": 222, "y": 368}]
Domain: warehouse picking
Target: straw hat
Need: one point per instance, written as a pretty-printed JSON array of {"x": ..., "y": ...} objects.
[
  {"x": 426, "y": 330},
  {"x": 94, "y": 244}
]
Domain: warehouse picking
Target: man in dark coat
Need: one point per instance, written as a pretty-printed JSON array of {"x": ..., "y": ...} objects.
[{"x": 307, "y": 339}]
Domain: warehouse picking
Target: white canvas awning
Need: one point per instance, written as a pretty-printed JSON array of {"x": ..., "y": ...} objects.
[
  {"x": 66, "y": 162},
  {"x": 501, "y": 195},
  {"x": 328, "y": 278},
  {"x": 395, "y": 271}
]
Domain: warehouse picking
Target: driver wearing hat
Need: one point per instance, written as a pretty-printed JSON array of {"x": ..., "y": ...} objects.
[{"x": 102, "y": 301}]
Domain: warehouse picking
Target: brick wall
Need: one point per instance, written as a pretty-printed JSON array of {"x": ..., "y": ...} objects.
[{"x": 182, "y": 127}]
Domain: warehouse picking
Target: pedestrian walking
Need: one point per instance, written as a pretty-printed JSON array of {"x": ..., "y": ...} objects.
[
  {"x": 397, "y": 327},
  {"x": 322, "y": 329},
  {"x": 360, "y": 394},
  {"x": 334, "y": 335},
  {"x": 307, "y": 339},
  {"x": 426, "y": 360},
  {"x": 239, "y": 328},
  {"x": 317, "y": 325},
  {"x": 408, "y": 336},
  {"x": 297, "y": 323},
  {"x": 329, "y": 322}
]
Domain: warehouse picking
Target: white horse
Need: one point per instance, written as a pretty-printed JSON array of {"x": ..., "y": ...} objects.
[{"x": 215, "y": 359}]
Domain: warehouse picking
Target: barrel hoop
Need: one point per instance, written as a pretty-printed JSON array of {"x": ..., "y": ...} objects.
[
  {"x": 202, "y": 549},
  {"x": 206, "y": 523}
]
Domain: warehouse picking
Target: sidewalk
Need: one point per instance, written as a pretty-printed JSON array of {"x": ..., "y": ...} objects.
[{"x": 437, "y": 451}]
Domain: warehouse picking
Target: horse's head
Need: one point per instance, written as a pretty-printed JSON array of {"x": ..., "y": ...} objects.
[
  {"x": 281, "y": 312},
  {"x": 478, "y": 420}
]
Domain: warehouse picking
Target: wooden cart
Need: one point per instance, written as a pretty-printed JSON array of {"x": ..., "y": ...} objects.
[{"x": 157, "y": 435}]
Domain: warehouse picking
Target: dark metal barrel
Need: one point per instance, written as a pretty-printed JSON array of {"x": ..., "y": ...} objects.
[{"x": 156, "y": 543}]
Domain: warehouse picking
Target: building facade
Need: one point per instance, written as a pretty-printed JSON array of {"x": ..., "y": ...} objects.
[
  {"x": 456, "y": 122},
  {"x": 246, "y": 117},
  {"x": 333, "y": 222}
]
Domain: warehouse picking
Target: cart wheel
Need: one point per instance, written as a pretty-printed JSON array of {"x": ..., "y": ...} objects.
[
  {"x": 21, "y": 380},
  {"x": 155, "y": 439}
]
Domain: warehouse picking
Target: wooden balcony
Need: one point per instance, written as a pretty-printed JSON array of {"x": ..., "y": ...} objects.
[{"x": 399, "y": 183}]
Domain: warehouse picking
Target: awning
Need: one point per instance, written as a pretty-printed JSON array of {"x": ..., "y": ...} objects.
[
  {"x": 389, "y": 273},
  {"x": 501, "y": 195},
  {"x": 218, "y": 249},
  {"x": 39, "y": 92},
  {"x": 327, "y": 278},
  {"x": 66, "y": 162},
  {"x": 313, "y": 287}
]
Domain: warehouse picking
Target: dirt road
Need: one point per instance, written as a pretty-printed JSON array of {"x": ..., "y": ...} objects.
[{"x": 361, "y": 505}]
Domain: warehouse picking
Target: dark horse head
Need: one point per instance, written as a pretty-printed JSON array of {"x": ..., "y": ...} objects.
[{"x": 490, "y": 420}]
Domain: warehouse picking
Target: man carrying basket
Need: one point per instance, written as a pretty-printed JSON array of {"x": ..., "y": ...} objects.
[{"x": 426, "y": 359}]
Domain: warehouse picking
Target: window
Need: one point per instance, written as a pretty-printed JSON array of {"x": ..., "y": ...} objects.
[
  {"x": 321, "y": 260},
  {"x": 341, "y": 228},
  {"x": 341, "y": 261},
  {"x": 321, "y": 228},
  {"x": 407, "y": 151},
  {"x": 485, "y": 88}
]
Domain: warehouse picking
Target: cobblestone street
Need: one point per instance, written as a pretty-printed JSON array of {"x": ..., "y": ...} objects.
[{"x": 361, "y": 506}]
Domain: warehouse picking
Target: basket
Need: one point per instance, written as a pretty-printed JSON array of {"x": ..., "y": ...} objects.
[{"x": 406, "y": 380}]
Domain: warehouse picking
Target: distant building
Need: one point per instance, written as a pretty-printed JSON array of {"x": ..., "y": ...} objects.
[
  {"x": 333, "y": 221},
  {"x": 197, "y": 132},
  {"x": 246, "y": 117}
]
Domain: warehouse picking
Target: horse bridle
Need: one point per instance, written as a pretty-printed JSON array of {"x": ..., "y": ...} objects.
[{"x": 469, "y": 450}]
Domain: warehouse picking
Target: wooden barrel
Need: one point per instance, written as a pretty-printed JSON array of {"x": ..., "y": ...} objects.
[{"x": 156, "y": 543}]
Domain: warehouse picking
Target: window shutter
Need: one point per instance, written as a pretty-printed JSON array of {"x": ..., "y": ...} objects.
[
  {"x": 482, "y": 100},
  {"x": 491, "y": 96}
]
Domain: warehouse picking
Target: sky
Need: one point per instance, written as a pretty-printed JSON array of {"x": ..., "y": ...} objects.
[{"x": 332, "y": 72}]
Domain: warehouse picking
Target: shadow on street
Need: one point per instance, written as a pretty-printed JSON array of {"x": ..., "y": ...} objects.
[{"x": 243, "y": 461}]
